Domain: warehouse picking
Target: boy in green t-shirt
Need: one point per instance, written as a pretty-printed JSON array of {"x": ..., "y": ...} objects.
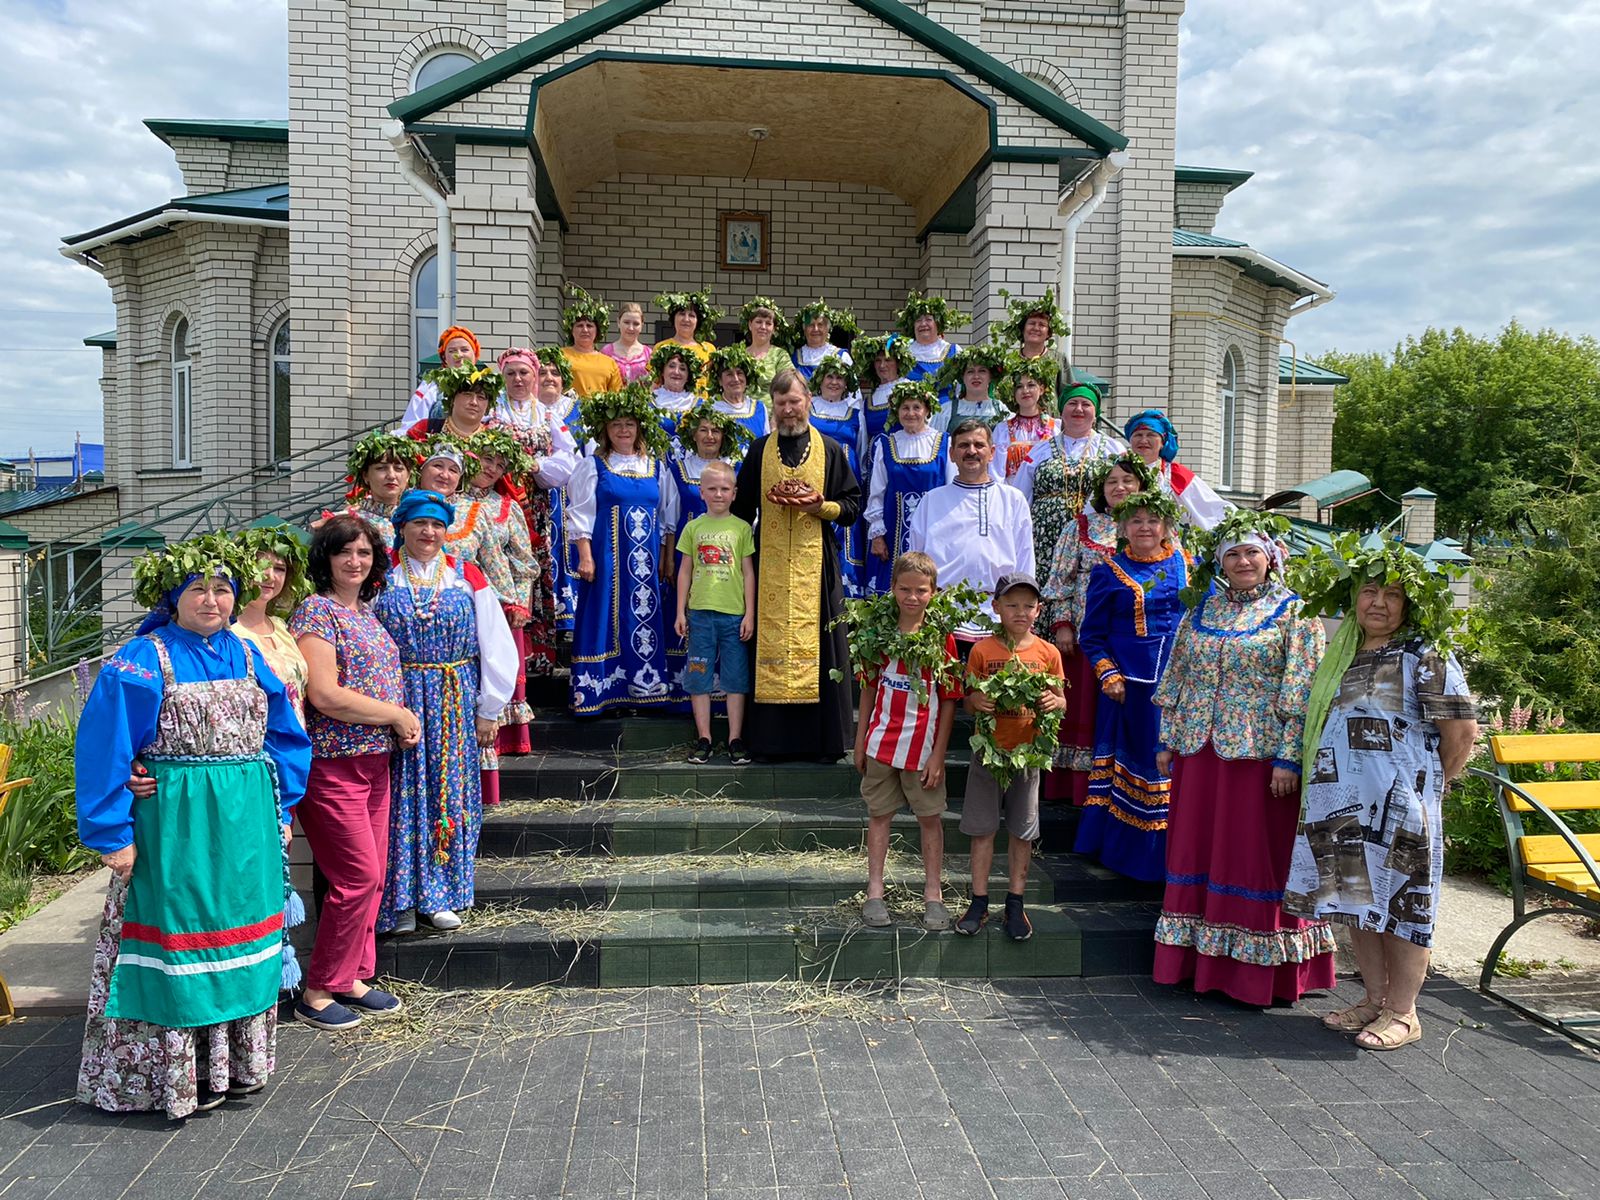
[{"x": 717, "y": 610}]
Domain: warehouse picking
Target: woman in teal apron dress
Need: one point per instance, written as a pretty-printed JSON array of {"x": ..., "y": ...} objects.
[{"x": 192, "y": 950}]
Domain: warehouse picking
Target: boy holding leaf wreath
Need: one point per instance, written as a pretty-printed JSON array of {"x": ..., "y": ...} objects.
[
  {"x": 1016, "y": 691},
  {"x": 909, "y": 690}
]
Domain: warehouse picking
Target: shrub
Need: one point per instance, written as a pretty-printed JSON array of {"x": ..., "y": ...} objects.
[{"x": 39, "y": 828}]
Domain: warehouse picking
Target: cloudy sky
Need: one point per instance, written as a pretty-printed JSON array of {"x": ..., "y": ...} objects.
[{"x": 1436, "y": 161}]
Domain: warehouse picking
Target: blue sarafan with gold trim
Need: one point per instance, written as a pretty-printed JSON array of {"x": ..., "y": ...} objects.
[{"x": 1130, "y": 624}]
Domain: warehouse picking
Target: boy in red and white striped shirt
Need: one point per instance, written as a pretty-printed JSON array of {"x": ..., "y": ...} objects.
[{"x": 901, "y": 740}]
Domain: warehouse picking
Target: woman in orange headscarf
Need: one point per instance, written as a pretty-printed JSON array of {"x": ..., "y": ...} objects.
[{"x": 458, "y": 345}]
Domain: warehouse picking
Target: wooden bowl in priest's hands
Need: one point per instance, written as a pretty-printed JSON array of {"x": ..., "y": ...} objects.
[{"x": 795, "y": 493}]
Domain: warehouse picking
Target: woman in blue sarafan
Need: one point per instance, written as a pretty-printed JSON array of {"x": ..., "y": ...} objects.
[
  {"x": 924, "y": 321},
  {"x": 909, "y": 460},
  {"x": 884, "y": 362},
  {"x": 728, "y": 376},
  {"x": 459, "y": 663},
  {"x": 624, "y": 501},
  {"x": 817, "y": 325},
  {"x": 836, "y": 413},
  {"x": 1130, "y": 621},
  {"x": 192, "y": 951},
  {"x": 560, "y": 402}
]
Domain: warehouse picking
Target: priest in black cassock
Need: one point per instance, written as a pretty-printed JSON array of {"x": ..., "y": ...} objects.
[{"x": 799, "y": 484}]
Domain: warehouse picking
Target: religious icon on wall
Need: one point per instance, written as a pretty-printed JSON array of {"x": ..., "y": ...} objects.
[{"x": 743, "y": 238}]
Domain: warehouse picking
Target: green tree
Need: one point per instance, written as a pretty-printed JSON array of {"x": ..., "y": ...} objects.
[{"x": 1462, "y": 415}]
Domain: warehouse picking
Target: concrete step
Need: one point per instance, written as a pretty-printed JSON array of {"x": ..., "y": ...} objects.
[
  {"x": 642, "y": 775},
  {"x": 555, "y": 730},
  {"x": 772, "y": 881},
  {"x": 689, "y": 946}
]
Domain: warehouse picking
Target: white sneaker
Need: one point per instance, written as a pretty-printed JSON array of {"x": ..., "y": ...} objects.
[
  {"x": 444, "y": 919},
  {"x": 406, "y": 922}
]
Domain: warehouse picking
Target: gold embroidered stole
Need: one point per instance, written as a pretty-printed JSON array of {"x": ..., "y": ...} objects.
[{"x": 789, "y": 583}]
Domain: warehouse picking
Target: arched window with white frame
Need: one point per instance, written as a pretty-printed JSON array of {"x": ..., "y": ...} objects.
[
  {"x": 279, "y": 420},
  {"x": 440, "y": 65},
  {"x": 424, "y": 309},
  {"x": 1228, "y": 398},
  {"x": 182, "y": 396}
]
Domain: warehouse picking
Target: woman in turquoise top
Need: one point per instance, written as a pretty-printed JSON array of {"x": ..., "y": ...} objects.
[
  {"x": 1130, "y": 619},
  {"x": 1233, "y": 706}
]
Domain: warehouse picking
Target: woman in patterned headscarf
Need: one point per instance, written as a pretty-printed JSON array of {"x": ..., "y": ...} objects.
[{"x": 1151, "y": 436}]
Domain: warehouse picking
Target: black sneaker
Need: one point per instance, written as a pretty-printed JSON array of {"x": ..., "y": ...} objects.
[
  {"x": 976, "y": 916},
  {"x": 737, "y": 754},
  {"x": 701, "y": 752},
  {"x": 1017, "y": 926}
]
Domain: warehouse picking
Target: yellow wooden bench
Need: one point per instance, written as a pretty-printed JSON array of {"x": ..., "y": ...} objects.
[
  {"x": 1560, "y": 865},
  {"x": 7, "y": 787}
]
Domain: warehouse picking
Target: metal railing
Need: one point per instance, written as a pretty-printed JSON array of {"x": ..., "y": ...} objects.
[{"x": 78, "y": 590}]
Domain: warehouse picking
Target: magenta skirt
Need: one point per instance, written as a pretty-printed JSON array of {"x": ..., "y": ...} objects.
[
  {"x": 1069, "y": 778},
  {"x": 1222, "y": 921}
]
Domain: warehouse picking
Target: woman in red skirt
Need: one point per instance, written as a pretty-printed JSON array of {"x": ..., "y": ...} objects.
[{"x": 1233, "y": 703}]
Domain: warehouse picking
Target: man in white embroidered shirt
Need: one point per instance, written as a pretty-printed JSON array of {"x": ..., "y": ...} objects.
[{"x": 975, "y": 529}]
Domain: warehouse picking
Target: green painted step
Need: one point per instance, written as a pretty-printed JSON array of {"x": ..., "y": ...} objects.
[
  {"x": 584, "y": 777},
  {"x": 768, "y": 881},
  {"x": 554, "y": 730}
]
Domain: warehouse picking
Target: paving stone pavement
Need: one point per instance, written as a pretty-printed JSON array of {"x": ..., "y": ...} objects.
[{"x": 1099, "y": 1088}]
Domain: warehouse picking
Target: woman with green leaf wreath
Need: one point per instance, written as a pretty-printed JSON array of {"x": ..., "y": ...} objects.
[
  {"x": 1389, "y": 725},
  {"x": 678, "y": 372},
  {"x": 1031, "y": 327},
  {"x": 970, "y": 376},
  {"x": 1089, "y": 539},
  {"x": 728, "y": 378},
  {"x": 468, "y": 394},
  {"x": 923, "y": 322},
  {"x": 380, "y": 468},
  {"x": 908, "y": 460},
  {"x": 1031, "y": 396},
  {"x": 623, "y": 502},
  {"x": 630, "y": 354},
  {"x": 1233, "y": 704},
  {"x": 173, "y": 1028},
  {"x": 836, "y": 413},
  {"x": 815, "y": 325},
  {"x": 882, "y": 362},
  {"x": 281, "y": 549},
  {"x": 1131, "y": 616},
  {"x": 694, "y": 320},
  {"x": 584, "y": 321},
  {"x": 762, "y": 327}
]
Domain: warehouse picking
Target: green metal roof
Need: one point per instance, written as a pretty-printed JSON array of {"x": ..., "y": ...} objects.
[
  {"x": 267, "y": 203},
  {"x": 1332, "y": 489},
  {"x": 1211, "y": 175},
  {"x": 1079, "y": 375},
  {"x": 27, "y": 499},
  {"x": 603, "y": 17},
  {"x": 226, "y": 130},
  {"x": 12, "y": 538},
  {"x": 106, "y": 340},
  {"x": 1298, "y": 370},
  {"x": 1187, "y": 237}
]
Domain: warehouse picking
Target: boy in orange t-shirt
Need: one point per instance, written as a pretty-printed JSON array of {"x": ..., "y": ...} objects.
[{"x": 1016, "y": 603}]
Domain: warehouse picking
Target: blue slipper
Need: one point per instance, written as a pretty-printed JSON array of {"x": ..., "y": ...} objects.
[
  {"x": 373, "y": 1003},
  {"x": 334, "y": 1018}
]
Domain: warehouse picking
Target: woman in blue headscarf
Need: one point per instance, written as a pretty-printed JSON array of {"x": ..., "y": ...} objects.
[
  {"x": 192, "y": 949},
  {"x": 1151, "y": 436},
  {"x": 459, "y": 663}
]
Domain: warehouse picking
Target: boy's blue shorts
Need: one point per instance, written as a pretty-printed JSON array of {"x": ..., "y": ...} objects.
[{"x": 715, "y": 652}]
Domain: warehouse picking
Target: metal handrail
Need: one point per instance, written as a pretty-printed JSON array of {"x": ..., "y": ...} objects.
[{"x": 66, "y": 597}]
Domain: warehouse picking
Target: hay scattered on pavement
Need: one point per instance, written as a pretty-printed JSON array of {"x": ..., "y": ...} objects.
[{"x": 565, "y": 923}]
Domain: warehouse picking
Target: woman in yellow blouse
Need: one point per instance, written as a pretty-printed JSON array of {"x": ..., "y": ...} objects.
[
  {"x": 262, "y": 621},
  {"x": 584, "y": 321},
  {"x": 1233, "y": 709},
  {"x": 693, "y": 318}
]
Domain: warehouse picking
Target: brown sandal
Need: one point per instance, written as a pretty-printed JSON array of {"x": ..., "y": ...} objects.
[
  {"x": 1355, "y": 1018},
  {"x": 1383, "y": 1034}
]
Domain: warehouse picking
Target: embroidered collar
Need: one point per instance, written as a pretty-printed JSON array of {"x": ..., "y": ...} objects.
[
  {"x": 1245, "y": 596},
  {"x": 936, "y": 351},
  {"x": 974, "y": 487},
  {"x": 1161, "y": 555}
]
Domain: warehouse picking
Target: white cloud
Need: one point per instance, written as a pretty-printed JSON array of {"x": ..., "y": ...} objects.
[
  {"x": 82, "y": 76},
  {"x": 1436, "y": 162}
]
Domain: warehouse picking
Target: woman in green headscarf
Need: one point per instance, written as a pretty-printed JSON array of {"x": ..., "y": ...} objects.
[{"x": 1390, "y": 724}]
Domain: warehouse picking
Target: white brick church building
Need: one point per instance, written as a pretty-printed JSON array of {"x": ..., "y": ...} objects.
[{"x": 955, "y": 146}]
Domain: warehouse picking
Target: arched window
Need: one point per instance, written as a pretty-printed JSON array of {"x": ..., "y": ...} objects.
[
  {"x": 279, "y": 446},
  {"x": 439, "y": 66},
  {"x": 182, "y": 397},
  {"x": 1228, "y": 395},
  {"x": 424, "y": 309}
]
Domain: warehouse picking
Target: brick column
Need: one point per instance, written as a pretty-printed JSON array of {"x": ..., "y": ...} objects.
[
  {"x": 1144, "y": 209},
  {"x": 1015, "y": 243},
  {"x": 498, "y": 235},
  {"x": 945, "y": 269},
  {"x": 530, "y": 18},
  {"x": 227, "y": 422}
]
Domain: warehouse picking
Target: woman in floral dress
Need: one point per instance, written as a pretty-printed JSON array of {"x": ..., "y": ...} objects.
[
  {"x": 460, "y": 666},
  {"x": 172, "y": 1028},
  {"x": 1090, "y": 539},
  {"x": 1058, "y": 471},
  {"x": 1233, "y": 706}
]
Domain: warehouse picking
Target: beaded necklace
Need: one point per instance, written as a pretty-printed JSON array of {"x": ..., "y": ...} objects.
[{"x": 424, "y": 584}]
